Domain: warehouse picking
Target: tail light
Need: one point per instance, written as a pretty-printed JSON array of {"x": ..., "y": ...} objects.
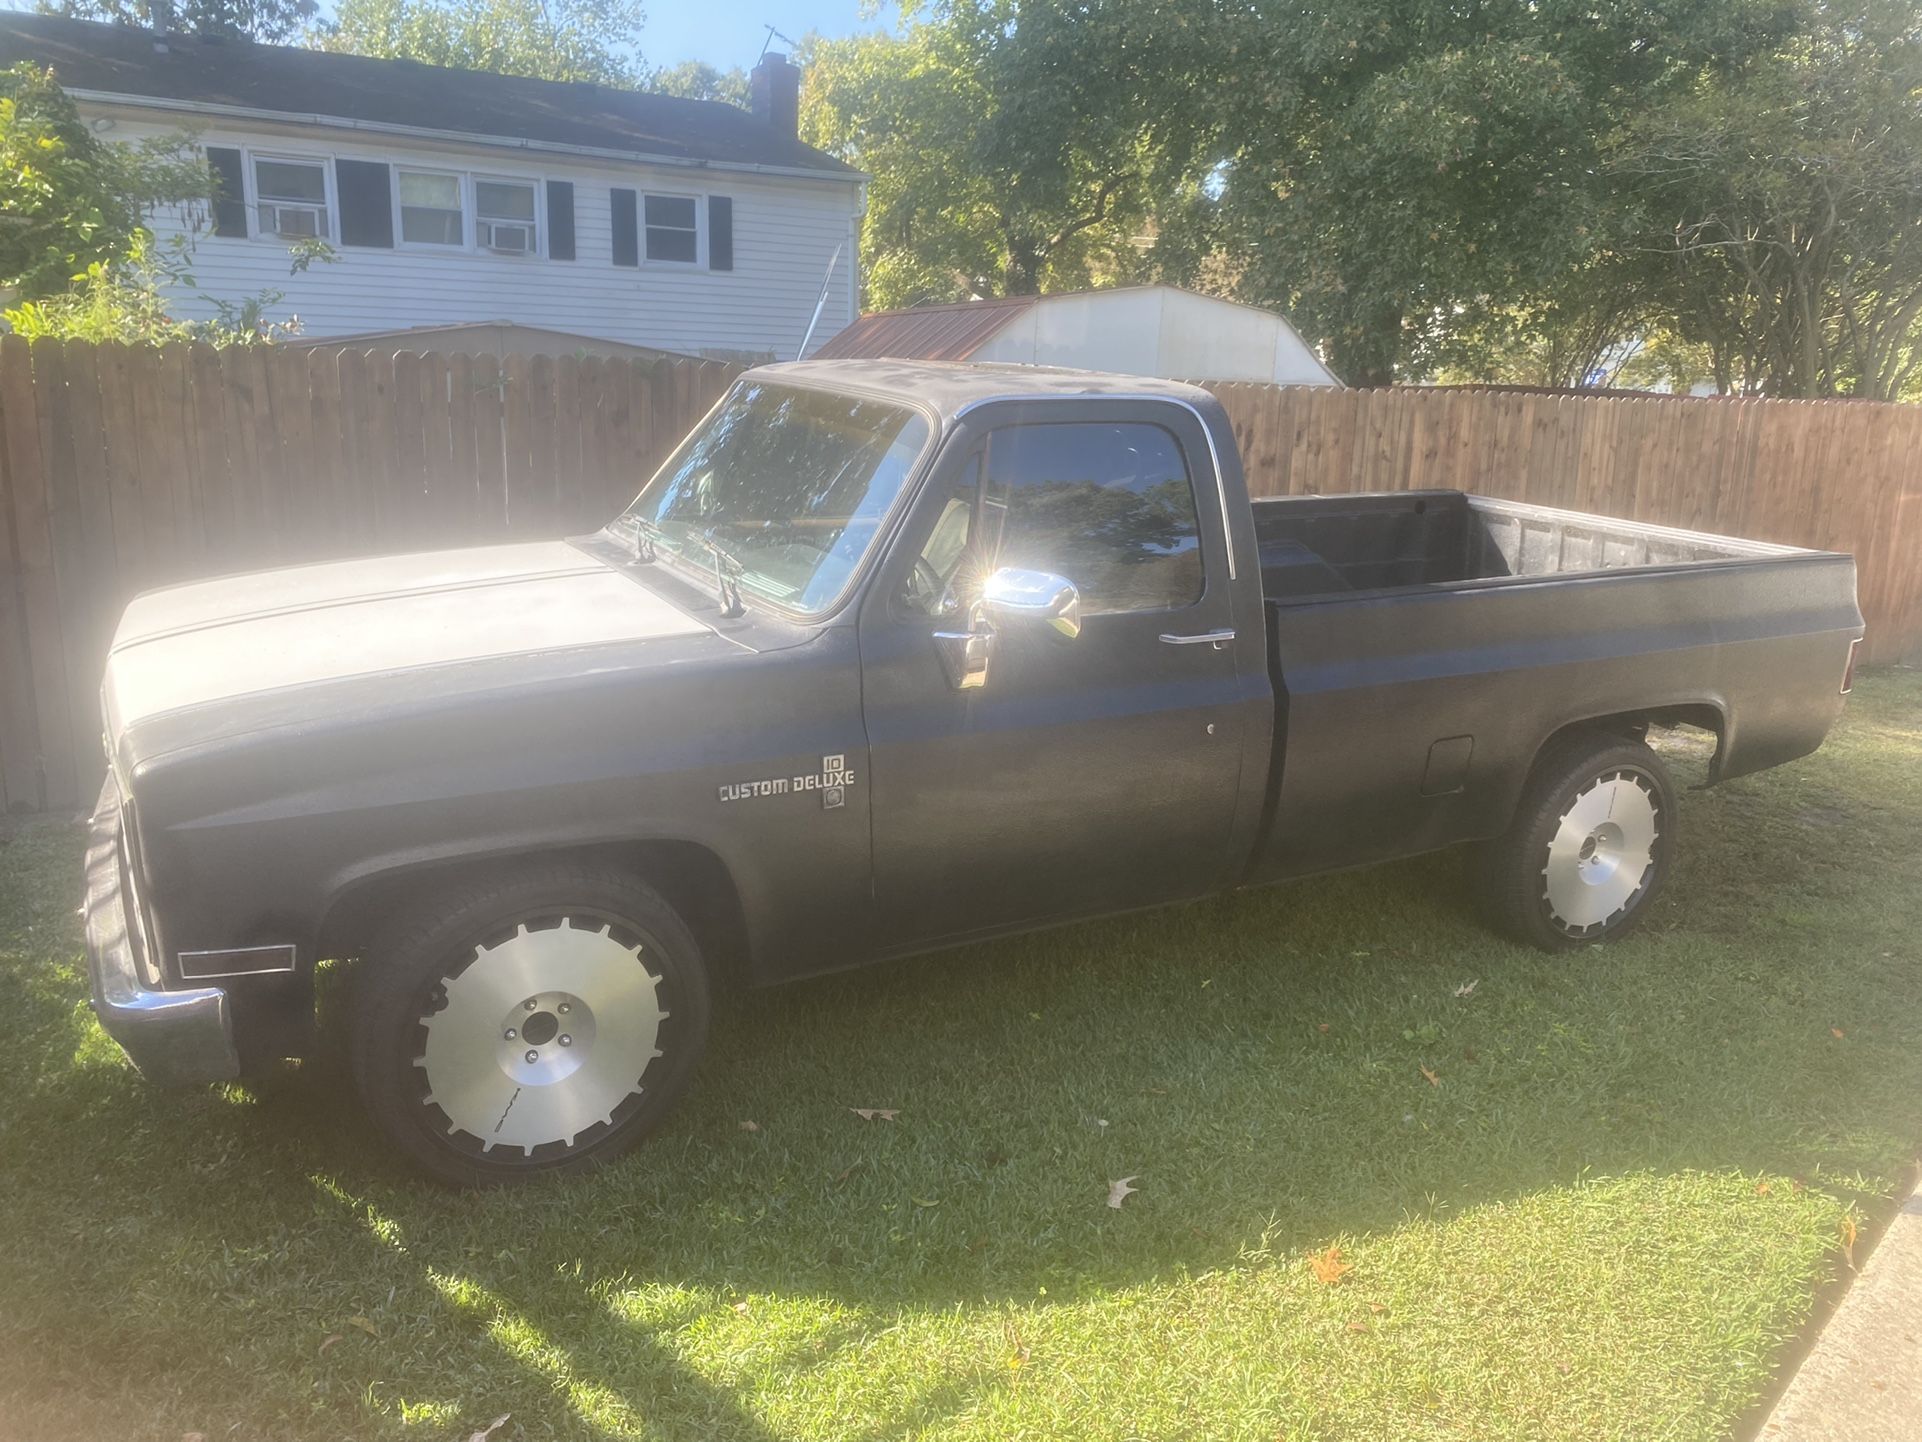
[{"x": 1848, "y": 671}]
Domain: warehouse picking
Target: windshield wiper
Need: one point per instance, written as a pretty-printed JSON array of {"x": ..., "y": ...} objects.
[
  {"x": 728, "y": 585},
  {"x": 646, "y": 533}
]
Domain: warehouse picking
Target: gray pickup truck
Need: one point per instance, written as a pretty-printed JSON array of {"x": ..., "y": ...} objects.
[{"x": 885, "y": 658}]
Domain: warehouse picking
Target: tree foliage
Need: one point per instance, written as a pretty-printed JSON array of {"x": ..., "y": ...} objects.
[
  {"x": 1781, "y": 208},
  {"x": 1561, "y": 191},
  {"x": 697, "y": 80},
  {"x": 266, "y": 20},
  {"x": 1013, "y": 148},
  {"x": 596, "y": 41},
  {"x": 129, "y": 301},
  {"x": 68, "y": 200}
]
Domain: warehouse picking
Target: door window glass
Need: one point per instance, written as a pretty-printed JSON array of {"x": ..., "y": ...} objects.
[{"x": 1109, "y": 507}]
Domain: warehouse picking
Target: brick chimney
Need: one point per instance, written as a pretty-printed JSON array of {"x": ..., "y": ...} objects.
[{"x": 774, "y": 89}]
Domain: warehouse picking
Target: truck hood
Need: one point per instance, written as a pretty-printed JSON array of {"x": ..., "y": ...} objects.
[{"x": 213, "y": 641}]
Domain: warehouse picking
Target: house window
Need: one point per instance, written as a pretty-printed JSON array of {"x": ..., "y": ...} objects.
[
  {"x": 671, "y": 233},
  {"x": 504, "y": 216},
  {"x": 430, "y": 208},
  {"x": 290, "y": 199}
]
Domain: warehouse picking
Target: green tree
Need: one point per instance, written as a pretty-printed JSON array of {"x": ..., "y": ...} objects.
[
  {"x": 1014, "y": 148},
  {"x": 267, "y": 20},
  {"x": 68, "y": 200},
  {"x": 1393, "y": 168},
  {"x": 581, "y": 40},
  {"x": 697, "y": 80},
  {"x": 126, "y": 301},
  {"x": 1780, "y": 208}
]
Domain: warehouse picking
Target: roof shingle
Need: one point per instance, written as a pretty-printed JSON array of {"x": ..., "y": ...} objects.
[{"x": 314, "y": 85}]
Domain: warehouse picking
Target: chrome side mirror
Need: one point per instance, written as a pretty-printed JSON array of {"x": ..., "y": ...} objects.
[
  {"x": 1009, "y": 595},
  {"x": 1016, "y": 595}
]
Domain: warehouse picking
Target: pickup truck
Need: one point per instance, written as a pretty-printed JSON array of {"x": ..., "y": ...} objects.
[{"x": 885, "y": 658}]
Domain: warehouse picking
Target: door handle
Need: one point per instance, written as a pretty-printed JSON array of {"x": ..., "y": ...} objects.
[{"x": 1217, "y": 639}]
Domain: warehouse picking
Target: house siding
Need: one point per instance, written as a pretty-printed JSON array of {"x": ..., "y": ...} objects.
[{"x": 786, "y": 233}]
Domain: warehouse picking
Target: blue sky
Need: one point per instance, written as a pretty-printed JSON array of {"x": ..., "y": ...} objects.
[{"x": 725, "y": 33}]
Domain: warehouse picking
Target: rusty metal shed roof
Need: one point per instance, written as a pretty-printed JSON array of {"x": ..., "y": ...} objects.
[{"x": 926, "y": 332}]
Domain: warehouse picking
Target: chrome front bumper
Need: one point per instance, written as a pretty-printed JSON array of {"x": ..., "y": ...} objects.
[{"x": 175, "y": 1038}]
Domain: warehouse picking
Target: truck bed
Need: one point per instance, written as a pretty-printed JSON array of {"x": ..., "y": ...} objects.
[
  {"x": 1314, "y": 546},
  {"x": 1424, "y": 645}
]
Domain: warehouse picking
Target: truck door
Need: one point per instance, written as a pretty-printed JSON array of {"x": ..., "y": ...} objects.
[{"x": 1073, "y": 775}]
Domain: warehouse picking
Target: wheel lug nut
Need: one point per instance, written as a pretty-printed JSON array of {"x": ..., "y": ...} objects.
[
  {"x": 510, "y": 1033},
  {"x": 533, "y": 1056},
  {"x": 531, "y": 1003},
  {"x": 562, "y": 1008},
  {"x": 566, "y": 1040}
]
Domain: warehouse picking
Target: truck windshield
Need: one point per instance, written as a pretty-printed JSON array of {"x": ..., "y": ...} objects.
[{"x": 789, "y": 484}]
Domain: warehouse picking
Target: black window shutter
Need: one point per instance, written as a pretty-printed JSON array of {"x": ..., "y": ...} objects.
[
  {"x": 230, "y": 191},
  {"x": 560, "y": 220},
  {"x": 720, "y": 232},
  {"x": 627, "y": 229},
  {"x": 366, "y": 203}
]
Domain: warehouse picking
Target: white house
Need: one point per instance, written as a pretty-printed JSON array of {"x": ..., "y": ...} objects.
[
  {"x": 453, "y": 196},
  {"x": 1146, "y": 330}
]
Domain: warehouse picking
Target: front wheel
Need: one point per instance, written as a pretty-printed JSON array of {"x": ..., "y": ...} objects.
[
  {"x": 1591, "y": 845},
  {"x": 536, "y": 1022}
]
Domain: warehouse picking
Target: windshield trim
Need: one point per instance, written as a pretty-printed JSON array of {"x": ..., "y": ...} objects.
[{"x": 702, "y": 569}]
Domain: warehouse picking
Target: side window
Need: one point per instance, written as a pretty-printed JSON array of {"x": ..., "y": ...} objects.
[
  {"x": 1110, "y": 507},
  {"x": 942, "y": 571}
]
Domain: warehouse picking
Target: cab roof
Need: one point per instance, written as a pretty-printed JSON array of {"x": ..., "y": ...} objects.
[{"x": 950, "y": 385}]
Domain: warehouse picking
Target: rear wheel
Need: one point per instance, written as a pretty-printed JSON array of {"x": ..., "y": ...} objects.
[
  {"x": 1590, "y": 848},
  {"x": 537, "y": 1022}
]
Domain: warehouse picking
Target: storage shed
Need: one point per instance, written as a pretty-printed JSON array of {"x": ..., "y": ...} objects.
[{"x": 1148, "y": 330}]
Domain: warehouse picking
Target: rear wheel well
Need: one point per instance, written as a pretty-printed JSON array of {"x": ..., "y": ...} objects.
[
  {"x": 691, "y": 878},
  {"x": 1634, "y": 726}
]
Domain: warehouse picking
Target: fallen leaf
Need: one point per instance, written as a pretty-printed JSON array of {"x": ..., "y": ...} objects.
[
  {"x": 1433, "y": 1080},
  {"x": 874, "y": 1114},
  {"x": 1467, "y": 988},
  {"x": 1761, "y": 1189},
  {"x": 193, "y": 1437},
  {"x": 741, "y": 1307},
  {"x": 926, "y": 1201},
  {"x": 1324, "y": 1028},
  {"x": 1468, "y": 1054},
  {"x": 490, "y": 1429},
  {"x": 1848, "y": 1237},
  {"x": 1119, "y": 1192},
  {"x": 1328, "y": 1266},
  {"x": 331, "y": 1338},
  {"x": 1017, "y": 1349},
  {"x": 364, "y": 1325},
  {"x": 1378, "y": 1307},
  {"x": 1358, "y": 1326},
  {"x": 750, "y": 1126},
  {"x": 1836, "y": 1032}
]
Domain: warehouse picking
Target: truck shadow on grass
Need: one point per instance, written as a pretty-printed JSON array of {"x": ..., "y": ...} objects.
[{"x": 1336, "y": 1060}]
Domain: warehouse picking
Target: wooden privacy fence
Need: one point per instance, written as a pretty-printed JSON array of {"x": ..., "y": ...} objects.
[
  {"x": 123, "y": 469},
  {"x": 1833, "y": 475}
]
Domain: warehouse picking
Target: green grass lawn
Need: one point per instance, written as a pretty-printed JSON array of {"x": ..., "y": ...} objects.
[{"x": 1606, "y": 1220}]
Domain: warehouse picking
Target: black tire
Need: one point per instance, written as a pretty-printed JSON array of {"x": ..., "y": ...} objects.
[
  {"x": 1511, "y": 873},
  {"x": 402, "y": 982}
]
